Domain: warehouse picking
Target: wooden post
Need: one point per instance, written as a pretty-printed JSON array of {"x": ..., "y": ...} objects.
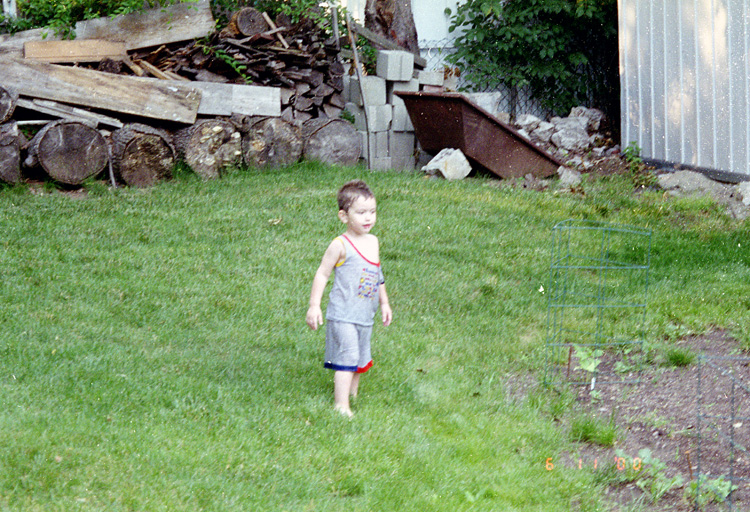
[{"x": 361, "y": 90}]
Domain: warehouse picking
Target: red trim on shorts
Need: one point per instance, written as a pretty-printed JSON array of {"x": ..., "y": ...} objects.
[{"x": 364, "y": 368}]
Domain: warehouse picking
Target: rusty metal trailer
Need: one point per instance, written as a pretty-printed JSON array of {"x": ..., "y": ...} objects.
[{"x": 450, "y": 120}]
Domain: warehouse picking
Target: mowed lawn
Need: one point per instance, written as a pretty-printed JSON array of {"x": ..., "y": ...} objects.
[{"x": 154, "y": 354}]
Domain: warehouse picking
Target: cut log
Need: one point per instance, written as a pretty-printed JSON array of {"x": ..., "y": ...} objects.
[
  {"x": 142, "y": 155},
  {"x": 247, "y": 22},
  {"x": 85, "y": 50},
  {"x": 209, "y": 146},
  {"x": 333, "y": 141},
  {"x": 171, "y": 100},
  {"x": 271, "y": 142},
  {"x": 69, "y": 152},
  {"x": 8, "y": 99},
  {"x": 10, "y": 153}
]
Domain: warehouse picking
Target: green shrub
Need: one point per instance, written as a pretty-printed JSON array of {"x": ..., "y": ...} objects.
[{"x": 565, "y": 51}]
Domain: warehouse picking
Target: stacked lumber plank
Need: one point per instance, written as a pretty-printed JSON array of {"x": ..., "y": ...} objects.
[{"x": 162, "y": 85}]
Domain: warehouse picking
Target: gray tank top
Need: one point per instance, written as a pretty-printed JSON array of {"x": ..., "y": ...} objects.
[{"x": 354, "y": 297}]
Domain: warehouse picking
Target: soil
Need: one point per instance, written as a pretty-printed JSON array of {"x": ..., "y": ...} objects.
[{"x": 695, "y": 419}]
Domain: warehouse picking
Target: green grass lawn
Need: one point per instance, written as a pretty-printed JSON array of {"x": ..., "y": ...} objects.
[{"x": 154, "y": 353}]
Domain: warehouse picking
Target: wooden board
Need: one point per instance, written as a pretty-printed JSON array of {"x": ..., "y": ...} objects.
[
  {"x": 86, "y": 50},
  {"x": 62, "y": 111},
  {"x": 168, "y": 100},
  {"x": 219, "y": 99},
  {"x": 152, "y": 27}
]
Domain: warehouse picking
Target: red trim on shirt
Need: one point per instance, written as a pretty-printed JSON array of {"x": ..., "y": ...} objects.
[{"x": 360, "y": 254}]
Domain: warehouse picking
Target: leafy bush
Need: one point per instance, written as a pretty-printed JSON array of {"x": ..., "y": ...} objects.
[{"x": 565, "y": 51}]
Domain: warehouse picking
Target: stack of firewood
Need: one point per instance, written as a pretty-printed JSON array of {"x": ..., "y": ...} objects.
[
  {"x": 255, "y": 49},
  {"x": 263, "y": 92}
]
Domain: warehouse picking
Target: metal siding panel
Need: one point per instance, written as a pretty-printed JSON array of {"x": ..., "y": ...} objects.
[
  {"x": 672, "y": 83},
  {"x": 685, "y": 80},
  {"x": 643, "y": 68},
  {"x": 721, "y": 135},
  {"x": 657, "y": 42},
  {"x": 689, "y": 82},
  {"x": 738, "y": 126}
]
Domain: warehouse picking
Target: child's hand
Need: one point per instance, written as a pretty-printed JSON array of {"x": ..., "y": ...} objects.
[
  {"x": 314, "y": 317},
  {"x": 385, "y": 309}
]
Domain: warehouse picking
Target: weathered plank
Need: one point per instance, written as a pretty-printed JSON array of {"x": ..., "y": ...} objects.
[
  {"x": 156, "y": 99},
  {"x": 180, "y": 22},
  {"x": 62, "y": 111},
  {"x": 219, "y": 99},
  {"x": 85, "y": 50}
]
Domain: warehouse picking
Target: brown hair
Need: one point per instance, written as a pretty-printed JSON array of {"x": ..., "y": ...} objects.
[{"x": 351, "y": 191}]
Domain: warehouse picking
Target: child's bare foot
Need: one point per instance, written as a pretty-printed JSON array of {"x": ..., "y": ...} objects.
[{"x": 345, "y": 411}]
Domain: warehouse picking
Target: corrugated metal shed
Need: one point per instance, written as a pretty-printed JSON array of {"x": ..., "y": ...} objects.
[{"x": 685, "y": 78}]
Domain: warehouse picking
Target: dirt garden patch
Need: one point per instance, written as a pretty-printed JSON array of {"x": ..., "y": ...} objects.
[{"x": 660, "y": 413}]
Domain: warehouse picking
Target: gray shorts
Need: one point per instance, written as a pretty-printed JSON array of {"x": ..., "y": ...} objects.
[{"x": 347, "y": 347}]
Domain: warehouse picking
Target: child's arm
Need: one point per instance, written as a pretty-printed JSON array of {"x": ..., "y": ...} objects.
[
  {"x": 385, "y": 307},
  {"x": 333, "y": 255}
]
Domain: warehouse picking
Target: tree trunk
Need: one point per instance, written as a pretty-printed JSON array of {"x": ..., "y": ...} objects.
[
  {"x": 141, "y": 155},
  {"x": 271, "y": 142},
  {"x": 69, "y": 151},
  {"x": 8, "y": 99},
  {"x": 333, "y": 141},
  {"x": 209, "y": 146},
  {"x": 10, "y": 153},
  {"x": 394, "y": 20}
]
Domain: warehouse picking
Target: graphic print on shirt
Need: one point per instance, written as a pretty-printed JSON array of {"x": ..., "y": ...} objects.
[{"x": 368, "y": 284}]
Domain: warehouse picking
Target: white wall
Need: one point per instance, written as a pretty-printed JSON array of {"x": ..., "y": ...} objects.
[{"x": 685, "y": 81}]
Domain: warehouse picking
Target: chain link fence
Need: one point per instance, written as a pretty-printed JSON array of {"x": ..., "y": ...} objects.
[{"x": 513, "y": 100}]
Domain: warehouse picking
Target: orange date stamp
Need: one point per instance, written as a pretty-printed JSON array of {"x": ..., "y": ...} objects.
[{"x": 620, "y": 463}]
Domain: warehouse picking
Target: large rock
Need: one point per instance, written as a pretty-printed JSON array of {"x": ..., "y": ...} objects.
[
  {"x": 449, "y": 163},
  {"x": 595, "y": 118},
  {"x": 571, "y": 133},
  {"x": 689, "y": 183},
  {"x": 569, "y": 178},
  {"x": 743, "y": 190}
]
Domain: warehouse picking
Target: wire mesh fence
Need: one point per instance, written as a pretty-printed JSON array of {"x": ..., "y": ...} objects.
[
  {"x": 723, "y": 421},
  {"x": 513, "y": 100},
  {"x": 597, "y": 302}
]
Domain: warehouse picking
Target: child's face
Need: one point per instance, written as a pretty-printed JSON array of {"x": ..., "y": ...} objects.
[{"x": 361, "y": 215}]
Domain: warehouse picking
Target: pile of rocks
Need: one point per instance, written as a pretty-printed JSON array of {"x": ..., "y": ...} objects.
[{"x": 581, "y": 142}]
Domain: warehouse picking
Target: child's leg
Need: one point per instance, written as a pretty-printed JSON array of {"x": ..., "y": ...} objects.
[
  {"x": 354, "y": 388},
  {"x": 342, "y": 385}
]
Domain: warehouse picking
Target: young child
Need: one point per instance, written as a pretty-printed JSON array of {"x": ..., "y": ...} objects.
[{"x": 358, "y": 289}]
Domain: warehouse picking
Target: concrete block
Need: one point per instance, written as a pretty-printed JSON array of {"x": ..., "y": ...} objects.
[
  {"x": 402, "y": 150},
  {"x": 435, "y": 78},
  {"x": 346, "y": 93},
  {"x": 379, "y": 145},
  {"x": 395, "y": 65},
  {"x": 401, "y": 120},
  {"x": 392, "y": 87},
  {"x": 373, "y": 88},
  {"x": 378, "y": 118},
  {"x": 381, "y": 164}
]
